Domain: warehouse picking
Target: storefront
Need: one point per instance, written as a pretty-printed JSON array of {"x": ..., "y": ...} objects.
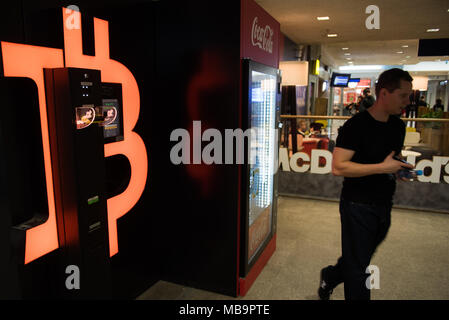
[
  {"x": 307, "y": 172},
  {"x": 343, "y": 97}
]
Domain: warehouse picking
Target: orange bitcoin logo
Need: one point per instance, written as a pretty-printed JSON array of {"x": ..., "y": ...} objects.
[{"x": 29, "y": 61}]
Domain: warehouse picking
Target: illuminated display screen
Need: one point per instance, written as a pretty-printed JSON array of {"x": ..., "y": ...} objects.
[
  {"x": 85, "y": 116},
  {"x": 340, "y": 79},
  {"x": 111, "y": 118},
  {"x": 263, "y": 108}
]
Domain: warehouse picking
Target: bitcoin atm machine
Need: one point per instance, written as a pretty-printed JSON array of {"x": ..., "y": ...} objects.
[{"x": 83, "y": 115}]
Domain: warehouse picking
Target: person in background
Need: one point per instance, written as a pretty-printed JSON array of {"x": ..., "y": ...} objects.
[
  {"x": 367, "y": 100},
  {"x": 302, "y": 128},
  {"x": 357, "y": 105},
  {"x": 315, "y": 129},
  {"x": 422, "y": 102},
  {"x": 438, "y": 106},
  {"x": 352, "y": 108}
]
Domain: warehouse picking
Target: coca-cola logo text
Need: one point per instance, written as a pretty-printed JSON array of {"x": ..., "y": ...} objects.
[{"x": 262, "y": 37}]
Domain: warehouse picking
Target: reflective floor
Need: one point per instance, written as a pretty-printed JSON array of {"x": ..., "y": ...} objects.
[{"x": 413, "y": 260}]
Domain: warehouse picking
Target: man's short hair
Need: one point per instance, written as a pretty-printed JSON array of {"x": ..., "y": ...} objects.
[{"x": 391, "y": 80}]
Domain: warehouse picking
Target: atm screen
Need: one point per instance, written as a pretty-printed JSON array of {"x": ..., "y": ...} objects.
[
  {"x": 85, "y": 116},
  {"x": 111, "y": 116}
]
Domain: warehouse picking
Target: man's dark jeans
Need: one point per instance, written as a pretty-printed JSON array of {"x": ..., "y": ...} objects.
[{"x": 363, "y": 228}]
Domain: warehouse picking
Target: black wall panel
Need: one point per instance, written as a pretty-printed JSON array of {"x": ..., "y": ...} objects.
[{"x": 183, "y": 229}]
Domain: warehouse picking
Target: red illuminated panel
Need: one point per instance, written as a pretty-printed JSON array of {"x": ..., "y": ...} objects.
[
  {"x": 21, "y": 60},
  {"x": 132, "y": 146},
  {"x": 364, "y": 83}
]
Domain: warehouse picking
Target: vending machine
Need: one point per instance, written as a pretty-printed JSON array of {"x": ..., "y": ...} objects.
[{"x": 261, "y": 110}]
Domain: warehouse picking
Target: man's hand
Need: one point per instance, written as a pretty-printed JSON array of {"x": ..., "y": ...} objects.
[{"x": 391, "y": 165}]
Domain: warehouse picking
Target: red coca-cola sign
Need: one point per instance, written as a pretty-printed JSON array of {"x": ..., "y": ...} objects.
[{"x": 259, "y": 34}]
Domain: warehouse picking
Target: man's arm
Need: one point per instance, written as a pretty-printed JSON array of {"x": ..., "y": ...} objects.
[{"x": 343, "y": 166}]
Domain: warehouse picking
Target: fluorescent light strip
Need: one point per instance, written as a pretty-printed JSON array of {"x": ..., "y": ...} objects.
[
  {"x": 332, "y": 35},
  {"x": 433, "y": 30},
  {"x": 362, "y": 67},
  {"x": 322, "y": 18}
]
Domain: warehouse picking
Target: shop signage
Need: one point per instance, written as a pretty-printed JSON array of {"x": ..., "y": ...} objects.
[
  {"x": 259, "y": 34},
  {"x": 20, "y": 60},
  {"x": 320, "y": 162},
  {"x": 303, "y": 162},
  {"x": 262, "y": 37}
]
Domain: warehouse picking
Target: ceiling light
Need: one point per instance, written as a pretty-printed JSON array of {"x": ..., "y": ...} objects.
[
  {"x": 407, "y": 57},
  {"x": 322, "y": 18},
  {"x": 362, "y": 67},
  {"x": 400, "y": 52},
  {"x": 332, "y": 35},
  {"x": 405, "y": 46},
  {"x": 344, "y": 48},
  {"x": 433, "y": 30},
  {"x": 347, "y": 54},
  {"x": 348, "y": 58}
]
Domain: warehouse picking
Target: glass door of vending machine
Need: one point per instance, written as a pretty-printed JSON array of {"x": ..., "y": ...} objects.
[{"x": 259, "y": 212}]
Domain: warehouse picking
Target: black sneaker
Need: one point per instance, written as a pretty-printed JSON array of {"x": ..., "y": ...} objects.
[{"x": 325, "y": 289}]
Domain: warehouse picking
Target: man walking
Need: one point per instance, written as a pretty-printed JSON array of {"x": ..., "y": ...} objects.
[{"x": 364, "y": 156}]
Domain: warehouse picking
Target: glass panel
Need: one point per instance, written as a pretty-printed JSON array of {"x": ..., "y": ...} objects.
[
  {"x": 307, "y": 171},
  {"x": 263, "y": 103}
]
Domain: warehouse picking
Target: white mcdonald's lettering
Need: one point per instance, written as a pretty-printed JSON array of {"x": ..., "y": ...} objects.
[
  {"x": 309, "y": 162},
  {"x": 313, "y": 163}
]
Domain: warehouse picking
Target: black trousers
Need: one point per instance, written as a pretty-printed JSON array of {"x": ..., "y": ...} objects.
[{"x": 363, "y": 228}]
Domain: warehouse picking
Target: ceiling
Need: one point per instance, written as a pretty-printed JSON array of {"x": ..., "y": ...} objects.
[{"x": 402, "y": 23}]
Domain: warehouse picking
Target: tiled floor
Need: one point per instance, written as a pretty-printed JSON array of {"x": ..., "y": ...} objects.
[{"x": 413, "y": 260}]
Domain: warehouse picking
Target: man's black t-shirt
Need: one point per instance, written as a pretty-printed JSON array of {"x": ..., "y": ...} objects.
[{"x": 372, "y": 142}]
